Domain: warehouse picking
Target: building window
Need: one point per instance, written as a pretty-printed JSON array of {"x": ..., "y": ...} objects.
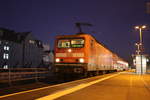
[
  {"x": 6, "y": 48},
  {"x": 5, "y": 56},
  {"x": 31, "y": 41},
  {"x": 5, "y": 67}
]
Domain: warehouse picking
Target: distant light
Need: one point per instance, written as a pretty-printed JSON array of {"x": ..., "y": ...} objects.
[
  {"x": 140, "y": 27},
  {"x": 6, "y": 48},
  {"x": 144, "y": 26},
  {"x": 147, "y": 60},
  {"x": 140, "y": 43},
  {"x": 5, "y": 67},
  {"x": 137, "y": 27},
  {"x": 31, "y": 41},
  {"x": 5, "y": 56}
]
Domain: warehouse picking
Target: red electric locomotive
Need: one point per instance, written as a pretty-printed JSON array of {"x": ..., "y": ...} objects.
[{"x": 82, "y": 53}]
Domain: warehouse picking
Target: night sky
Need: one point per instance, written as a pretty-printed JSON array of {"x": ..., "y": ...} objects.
[{"x": 113, "y": 20}]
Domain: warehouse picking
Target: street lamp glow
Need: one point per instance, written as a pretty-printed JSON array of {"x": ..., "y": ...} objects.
[
  {"x": 140, "y": 31},
  {"x": 140, "y": 27},
  {"x": 144, "y": 26},
  {"x": 136, "y": 44},
  {"x": 137, "y": 27}
]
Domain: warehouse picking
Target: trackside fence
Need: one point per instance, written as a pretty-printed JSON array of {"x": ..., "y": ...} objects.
[{"x": 18, "y": 74}]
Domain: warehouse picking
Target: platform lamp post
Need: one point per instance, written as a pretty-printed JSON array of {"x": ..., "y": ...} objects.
[{"x": 140, "y": 28}]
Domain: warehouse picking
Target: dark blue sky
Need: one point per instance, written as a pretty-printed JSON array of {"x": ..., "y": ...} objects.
[{"x": 113, "y": 20}]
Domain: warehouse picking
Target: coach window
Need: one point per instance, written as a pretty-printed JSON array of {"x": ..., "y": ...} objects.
[{"x": 63, "y": 44}]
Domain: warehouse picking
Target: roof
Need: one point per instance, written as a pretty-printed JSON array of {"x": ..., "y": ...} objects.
[{"x": 11, "y": 35}]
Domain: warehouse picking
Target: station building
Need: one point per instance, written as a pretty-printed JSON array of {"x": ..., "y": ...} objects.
[{"x": 20, "y": 50}]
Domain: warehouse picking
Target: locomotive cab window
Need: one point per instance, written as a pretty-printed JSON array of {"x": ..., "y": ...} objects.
[
  {"x": 63, "y": 43},
  {"x": 77, "y": 43}
]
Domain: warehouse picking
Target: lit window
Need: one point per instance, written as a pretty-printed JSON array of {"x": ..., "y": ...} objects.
[
  {"x": 5, "y": 67},
  {"x": 5, "y": 56},
  {"x": 39, "y": 43},
  {"x": 31, "y": 41},
  {"x": 6, "y": 47}
]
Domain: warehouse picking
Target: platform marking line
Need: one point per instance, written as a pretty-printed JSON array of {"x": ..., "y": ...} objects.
[
  {"x": 4, "y": 96},
  {"x": 37, "y": 89},
  {"x": 74, "y": 89}
]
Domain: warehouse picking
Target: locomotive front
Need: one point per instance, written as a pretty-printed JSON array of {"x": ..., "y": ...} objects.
[{"x": 70, "y": 54}]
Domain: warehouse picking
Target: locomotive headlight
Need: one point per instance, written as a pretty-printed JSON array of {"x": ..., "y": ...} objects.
[
  {"x": 57, "y": 60},
  {"x": 81, "y": 60}
]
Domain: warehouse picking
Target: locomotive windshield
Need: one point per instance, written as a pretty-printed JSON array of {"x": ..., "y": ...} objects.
[
  {"x": 70, "y": 43},
  {"x": 77, "y": 43},
  {"x": 64, "y": 43}
]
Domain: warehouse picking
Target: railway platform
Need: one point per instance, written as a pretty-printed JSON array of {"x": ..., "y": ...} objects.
[{"x": 118, "y": 86}]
